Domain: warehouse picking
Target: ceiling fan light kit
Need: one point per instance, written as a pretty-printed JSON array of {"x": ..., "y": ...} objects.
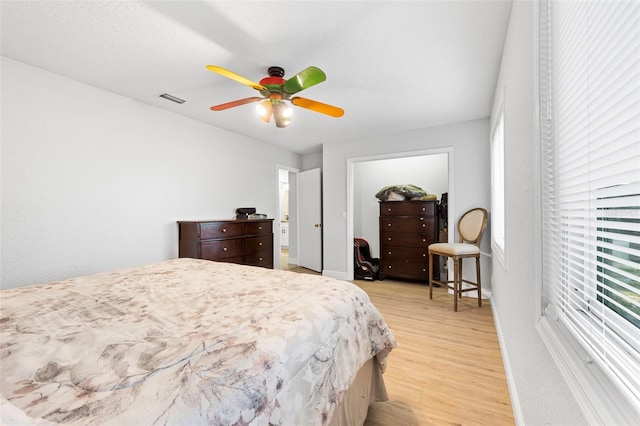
[{"x": 275, "y": 90}]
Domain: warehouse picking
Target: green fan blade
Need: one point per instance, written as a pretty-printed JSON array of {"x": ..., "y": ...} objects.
[{"x": 303, "y": 80}]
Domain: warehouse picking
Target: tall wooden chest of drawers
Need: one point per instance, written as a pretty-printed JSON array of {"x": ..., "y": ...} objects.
[
  {"x": 406, "y": 230},
  {"x": 249, "y": 242}
]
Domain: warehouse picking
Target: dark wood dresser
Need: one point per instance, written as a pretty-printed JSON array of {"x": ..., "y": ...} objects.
[
  {"x": 406, "y": 230},
  {"x": 249, "y": 242}
]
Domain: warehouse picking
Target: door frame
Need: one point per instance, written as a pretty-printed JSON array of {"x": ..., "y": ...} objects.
[
  {"x": 293, "y": 173},
  {"x": 350, "y": 181}
]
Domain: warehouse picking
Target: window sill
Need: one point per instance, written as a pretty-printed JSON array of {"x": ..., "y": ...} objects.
[{"x": 601, "y": 401}]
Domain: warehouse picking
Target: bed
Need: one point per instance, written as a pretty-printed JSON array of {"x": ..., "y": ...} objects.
[{"x": 191, "y": 341}]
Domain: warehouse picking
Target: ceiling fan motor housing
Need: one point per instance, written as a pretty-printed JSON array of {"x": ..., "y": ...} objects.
[
  {"x": 274, "y": 82},
  {"x": 276, "y": 72}
]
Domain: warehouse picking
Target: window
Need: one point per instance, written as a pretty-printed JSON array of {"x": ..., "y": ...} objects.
[
  {"x": 497, "y": 189},
  {"x": 590, "y": 208}
]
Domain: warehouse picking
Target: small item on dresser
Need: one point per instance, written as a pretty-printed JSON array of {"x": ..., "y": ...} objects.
[
  {"x": 257, "y": 216},
  {"x": 244, "y": 212}
]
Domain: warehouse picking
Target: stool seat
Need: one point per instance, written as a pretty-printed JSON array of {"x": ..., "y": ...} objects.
[{"x": 452, "y": 249}]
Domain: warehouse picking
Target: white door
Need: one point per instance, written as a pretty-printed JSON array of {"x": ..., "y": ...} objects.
[{"x": 310, "y": 207}]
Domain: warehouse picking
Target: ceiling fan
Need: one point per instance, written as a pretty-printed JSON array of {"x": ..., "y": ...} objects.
[{"x": 275, "y": 90}]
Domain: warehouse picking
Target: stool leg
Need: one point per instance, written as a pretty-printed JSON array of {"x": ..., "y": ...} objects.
[
  {"x": 456, "y": 282},
  {"x": 478, "y": 281},
  {"x": 430, "y": 276},
  {"x": 460, "y": 280}
]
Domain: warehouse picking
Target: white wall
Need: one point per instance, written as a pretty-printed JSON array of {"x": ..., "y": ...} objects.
[
  {"x": 312, "y": 161},
  {"x": 429, "y": 172},
  {"x": 92, "y": 181},
  {"x": 470, "y": 144},
  {"x": 539, "y": 395}
]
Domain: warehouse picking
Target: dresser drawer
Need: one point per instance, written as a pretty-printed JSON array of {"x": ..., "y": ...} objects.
[
  {"x": 406, "y": 239},
  {"x": 263, "y": 227},
  {"x": 408, "y": 208},
  {"x": 220, "y": 230},
  {"x": 407, "y": 224},
  {"x": 220, "y": 249},
  {"x": 263, "y": 258},
  {"x": 408, "y": 254},
  {"x": 400, "y": 269},
  {"x": 258, "y": 243},
  {"x": 236, "y": 259}
]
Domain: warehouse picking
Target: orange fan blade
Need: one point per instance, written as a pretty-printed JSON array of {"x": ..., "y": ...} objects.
[
  {"x": 232, "y": 104},
  {"x": 316, "y": 106},
  {"x": 233, "y": 76}
]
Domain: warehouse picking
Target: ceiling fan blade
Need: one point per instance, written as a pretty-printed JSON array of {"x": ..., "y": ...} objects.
[
  {"x": 232, "y": 104},
  {"x": 306, "y": 78},
  {"x": 233, "y": 76},
  {"x": 327, "y": 109}
]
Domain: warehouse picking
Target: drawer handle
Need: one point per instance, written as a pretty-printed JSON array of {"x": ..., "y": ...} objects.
[
  {"x": 224, "y": 229},
  {"x": 424, "y": 254},
  {"x": 260, "y": 259},
  {"x": 424, "y": 209},
  {"x": 424, "y": 270},
  {"x": 389, "y": 209},
  {"x": 424, "y": 225},
  {"x": 423, "y": 240},
  {"x": 389, "y": 266},
  {"x": 389, "y": 225},
  {"x": 389, "y": 252},
  {"x": 224, "y": 249},
  {"x": 260, "y": 228},
  {"x": 422, "y": 218},
  {"x": 389, "y": 239},
  {"x": 260, "y": 243}
]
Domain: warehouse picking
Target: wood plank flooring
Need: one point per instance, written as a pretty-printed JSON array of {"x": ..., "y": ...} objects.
[{"x": 447, "y": 368}]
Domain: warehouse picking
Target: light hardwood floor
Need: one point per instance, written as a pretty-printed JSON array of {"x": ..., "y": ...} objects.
[{"x": 447, "y": 368}]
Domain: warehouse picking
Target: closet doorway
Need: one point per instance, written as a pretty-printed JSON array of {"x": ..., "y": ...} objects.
[{"x": 431, "y": 170}]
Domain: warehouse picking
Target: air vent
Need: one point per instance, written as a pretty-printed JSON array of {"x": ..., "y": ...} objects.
[{"x": 172, "y": 98}]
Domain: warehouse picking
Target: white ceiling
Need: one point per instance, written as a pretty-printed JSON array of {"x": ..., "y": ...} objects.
[{"x": 391, "y": 65}]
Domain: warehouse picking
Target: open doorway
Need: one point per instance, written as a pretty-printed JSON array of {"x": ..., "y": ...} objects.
[
  {"x": 286, "y": 240},
  {"x": 431, "y": 170}
]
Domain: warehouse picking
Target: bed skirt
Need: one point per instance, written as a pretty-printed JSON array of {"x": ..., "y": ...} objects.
[{"x": 367, "y": 388}]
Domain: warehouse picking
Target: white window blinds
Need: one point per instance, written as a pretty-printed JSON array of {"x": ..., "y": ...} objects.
[{"x": 590, "y": 169}]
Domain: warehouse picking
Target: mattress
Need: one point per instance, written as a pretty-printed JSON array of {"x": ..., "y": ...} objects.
[{"x": 186, "y": 341}]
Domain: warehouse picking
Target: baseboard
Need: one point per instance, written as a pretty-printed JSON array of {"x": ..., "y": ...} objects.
[
  {"x": 339, "y": 275},
  {"x": 513, "y": 392}
]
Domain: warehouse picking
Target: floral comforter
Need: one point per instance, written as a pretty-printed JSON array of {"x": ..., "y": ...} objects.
[{"x": 185, "y": 342}]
